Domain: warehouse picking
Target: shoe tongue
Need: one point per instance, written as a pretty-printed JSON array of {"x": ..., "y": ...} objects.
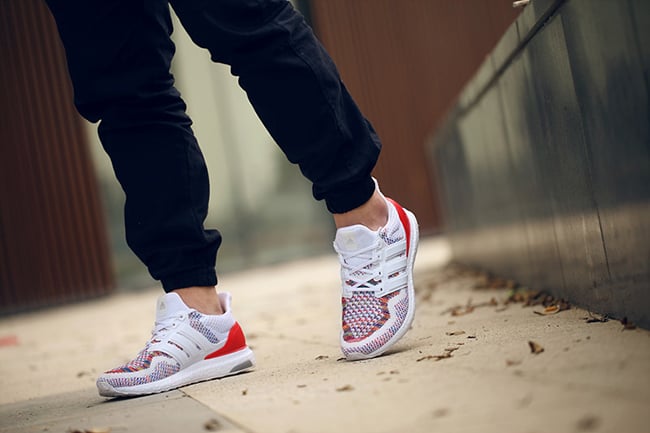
[
  {"x": 168, "y": 305},
  {"x": 354, "y": 238}
]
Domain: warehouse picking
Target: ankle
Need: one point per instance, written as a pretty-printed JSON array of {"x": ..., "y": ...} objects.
[
  {"x": 372, "y": 214},
  {"x": 202, "y": 299}
]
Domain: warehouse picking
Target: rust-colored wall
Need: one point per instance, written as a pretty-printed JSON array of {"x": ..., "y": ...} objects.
[
  {"x": 405, "y": 62},
  {"x": 53, "y": 245}
]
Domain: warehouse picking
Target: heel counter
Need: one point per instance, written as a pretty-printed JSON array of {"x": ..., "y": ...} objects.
[
  {"x": 236, "y": 341},
  {"x": 406, "y": 223}
]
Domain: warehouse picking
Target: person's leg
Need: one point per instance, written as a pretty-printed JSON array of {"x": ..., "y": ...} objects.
[
  {"x": 295, "y": 89},
  {"x": 119, "y": 55}
]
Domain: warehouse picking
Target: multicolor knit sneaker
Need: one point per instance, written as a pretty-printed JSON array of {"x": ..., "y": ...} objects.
[
  {"x": 378, "y": 298},
  {"x": 186, "y": 347}
]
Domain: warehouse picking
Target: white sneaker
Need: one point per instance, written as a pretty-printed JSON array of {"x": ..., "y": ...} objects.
[
  {"x": 378, "y": 298},
  {"x": 186, "y": 347}
]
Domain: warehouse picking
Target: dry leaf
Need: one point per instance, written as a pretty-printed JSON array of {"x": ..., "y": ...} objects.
[
  {"x": 345, "y": 388},
  {"x": 461, "y": 311},
  {"x": 445, "y": 355},
  {"x": 595, "y": 319},
  {"x": 321, "y": 357},
  {"x": 535, "y": 348},
  {"x": 455, "y": 333},
  {"x": 435, "y": 357},
  {"x": 551, "y": 309},
  {"x": 536, "y": 297},
  {"x": 627, "y": 325},
  {"x": 212, "y": 425}
]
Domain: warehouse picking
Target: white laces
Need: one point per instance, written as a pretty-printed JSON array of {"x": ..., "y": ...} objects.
[
  {"x": 162, "y": 327},
  {"x": 360, "y": 270}
]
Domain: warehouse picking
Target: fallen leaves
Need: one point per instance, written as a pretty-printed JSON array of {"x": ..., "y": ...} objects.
[
  {"x": 535, "y": 348},
  {"x": 345, "y": 388},
  {"x": 445, "y": 355},
  {"x": 461, "y": 311},
  {"x": 531, "y": 298},
  {"x": 595, "y": 318},
  {"x": 518, "y": 295}
]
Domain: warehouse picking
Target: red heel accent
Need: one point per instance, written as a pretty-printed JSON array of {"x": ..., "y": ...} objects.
[
  {"x": 236, "y": 341},
  {"x": 405, "y": 223}
]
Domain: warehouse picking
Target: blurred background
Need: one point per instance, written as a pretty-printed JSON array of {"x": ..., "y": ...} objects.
[
  {"x": 522, "y": 135},
  {"x": 61, "y": 224}
]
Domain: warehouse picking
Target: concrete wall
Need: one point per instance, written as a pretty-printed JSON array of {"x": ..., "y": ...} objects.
[
  {"x": 545, "y": 160},
  {"x": 405, "y": 63}
]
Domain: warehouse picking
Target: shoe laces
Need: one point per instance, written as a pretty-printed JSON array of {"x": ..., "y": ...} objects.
[
  {"x": 360, "y": 269},
  {"x": 164, "y": 326}
]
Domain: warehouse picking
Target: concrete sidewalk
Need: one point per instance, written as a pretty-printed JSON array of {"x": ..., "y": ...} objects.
[{"x": 458, "y": 370}]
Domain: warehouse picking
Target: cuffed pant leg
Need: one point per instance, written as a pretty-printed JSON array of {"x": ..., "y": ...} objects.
[
  {"x": 295, "y": 89},
  {"x": 119, "y": 56}
]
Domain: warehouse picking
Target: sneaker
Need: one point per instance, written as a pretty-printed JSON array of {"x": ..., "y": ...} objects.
[
  {"x": 186, "y": 347},
  {"x": 378, "y": 298}
]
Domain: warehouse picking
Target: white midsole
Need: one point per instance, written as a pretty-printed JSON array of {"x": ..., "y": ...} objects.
[{"x": 203, "y": 370}]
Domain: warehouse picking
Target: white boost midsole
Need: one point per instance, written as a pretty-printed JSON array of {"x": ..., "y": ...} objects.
[{"x": 203, "y": 370}]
